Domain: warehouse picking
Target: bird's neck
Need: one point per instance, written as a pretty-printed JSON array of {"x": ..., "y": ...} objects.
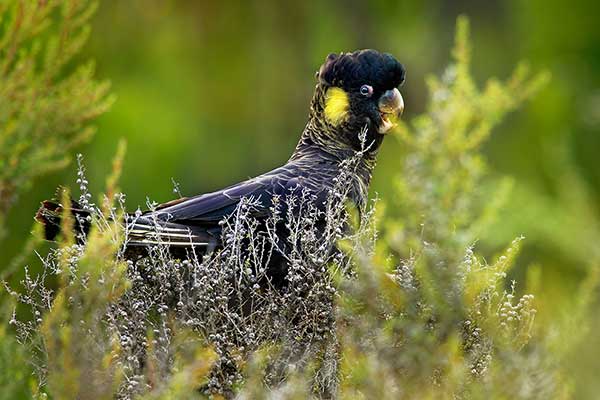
[{"x": 313, "y": 144}]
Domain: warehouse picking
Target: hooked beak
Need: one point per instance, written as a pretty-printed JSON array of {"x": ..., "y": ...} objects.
[{"x": 390, "y": 107}]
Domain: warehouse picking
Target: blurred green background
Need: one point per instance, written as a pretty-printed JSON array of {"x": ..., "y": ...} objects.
[{"x": 211, "y": 92}]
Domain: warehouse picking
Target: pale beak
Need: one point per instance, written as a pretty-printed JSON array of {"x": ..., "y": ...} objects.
[{"x": 391, "y": 105}]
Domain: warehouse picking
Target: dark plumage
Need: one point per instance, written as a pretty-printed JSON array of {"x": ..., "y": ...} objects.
[
  {"x": 331, "y": 136},
  {"x": 352, "y": 70}
]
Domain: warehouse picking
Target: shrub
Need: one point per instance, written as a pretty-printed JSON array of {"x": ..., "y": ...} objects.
[{"x": 46, "y": 101}]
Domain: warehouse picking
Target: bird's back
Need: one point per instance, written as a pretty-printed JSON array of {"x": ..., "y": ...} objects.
[{"x": 196, "y": 221}]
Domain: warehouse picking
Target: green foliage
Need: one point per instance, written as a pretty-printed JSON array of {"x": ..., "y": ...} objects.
[
  {"x": 46, "y": 101},
  {"x": 440, "y": 196},
  {"x": 15, "y": 373},
  {"x": 74, "y": 367}
]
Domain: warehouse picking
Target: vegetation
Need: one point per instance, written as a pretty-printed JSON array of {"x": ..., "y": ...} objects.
[
  {"x": 45, "y": 106},
  {"x": 409, "y": 308}
]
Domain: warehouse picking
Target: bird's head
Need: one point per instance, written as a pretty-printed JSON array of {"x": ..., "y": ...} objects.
[{"x": 355, "y": 90}]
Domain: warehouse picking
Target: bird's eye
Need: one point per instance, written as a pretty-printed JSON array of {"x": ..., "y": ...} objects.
[{"x": 366, "y": 90}]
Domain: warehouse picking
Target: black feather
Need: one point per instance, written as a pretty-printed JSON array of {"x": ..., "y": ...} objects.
[
  {"x": 351, "y": 70},
  {"x": 50, "y": 215}
]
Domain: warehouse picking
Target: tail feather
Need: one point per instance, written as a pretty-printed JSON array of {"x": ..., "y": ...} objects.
[
  {"x": 145, "y": 231},
  {"x": 50, "y": 215},
  {"x": 141, "y": 231}
]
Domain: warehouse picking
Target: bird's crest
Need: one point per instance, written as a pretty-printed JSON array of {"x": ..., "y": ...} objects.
[{"x": 351, "y": 70}]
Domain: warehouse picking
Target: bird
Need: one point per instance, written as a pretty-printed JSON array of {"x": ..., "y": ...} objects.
[{"x": 356, "y": 103}]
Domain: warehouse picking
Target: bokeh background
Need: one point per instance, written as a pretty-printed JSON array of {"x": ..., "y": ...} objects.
[{"x": 211, "y": 92}]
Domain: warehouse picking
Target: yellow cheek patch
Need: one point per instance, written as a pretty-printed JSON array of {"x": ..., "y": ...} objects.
[{"x": 336, "y": 105}]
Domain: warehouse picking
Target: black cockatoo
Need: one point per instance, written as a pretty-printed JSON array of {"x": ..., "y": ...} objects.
[{"x": 355, "y": 103}]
